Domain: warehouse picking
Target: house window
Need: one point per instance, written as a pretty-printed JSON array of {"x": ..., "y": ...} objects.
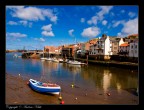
[
  {"x": 135, "y": 51},
  {"x": 132, "y": 46},
  {"x": 131, "y": 51},
  {"x": 98, "y": 51},
  {"x": 135, "y": 46},
  {"x": 102, "y": 51},
  {"x": 115, "y": 48}
]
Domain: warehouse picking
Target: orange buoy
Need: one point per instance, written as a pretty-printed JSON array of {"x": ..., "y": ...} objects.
[{"x": 62, "y": 102}]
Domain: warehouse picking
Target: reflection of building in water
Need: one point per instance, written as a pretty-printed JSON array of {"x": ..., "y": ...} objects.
[
  {"x": 74, "y": 68},
  {"x": 34, "y": 61},
  {"x": 118, "y": 87},
  {"x": 106, "y": 80}
]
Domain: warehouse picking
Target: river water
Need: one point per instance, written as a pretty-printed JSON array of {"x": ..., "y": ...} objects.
[{"x": 91, "y": 76}]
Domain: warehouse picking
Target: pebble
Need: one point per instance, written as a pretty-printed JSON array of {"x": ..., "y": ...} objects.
[{"x": 76, "y": 98}]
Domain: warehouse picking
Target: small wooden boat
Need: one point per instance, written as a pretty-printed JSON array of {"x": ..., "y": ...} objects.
[{"x": 44, "y": 87}]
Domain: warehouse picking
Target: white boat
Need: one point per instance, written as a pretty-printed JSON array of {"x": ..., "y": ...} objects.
[
  {"x": 44, "y": 87},
  {"x": 75, "y": 62},
  {"x": 60, "y": 60},
  {"x": 55, "y": 60},
  {"x": 49, "y": 59},
  {"x": 43, "y": 58}
]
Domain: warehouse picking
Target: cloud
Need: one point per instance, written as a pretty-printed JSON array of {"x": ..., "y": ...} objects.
[
  {"x": 47, "y": 30},
  {"x": 40, "y": 39},
  {"x": 100, "y": 15},
  {"x": 32, "y": 13},
  {"x": 90, "y": 32},
  {"x": 47, "y": 27},
  {"x": 16, "y": 35},
  {"x": 47, "y": 33},
  {"x": 116, "y": 23},
  {"x": 71, "y": 32},
  {"x": 131, "y": 14},
  {"x": 22, "y": 22},
  {"x": 104, "y": 22},
  {"x": 104, "y": 10},
  {"x": 12, "y": 23},
  {"x": 129, "y": 27},
  {"x": 93, "y": 20},
  {"x": 82, "y": 20}
]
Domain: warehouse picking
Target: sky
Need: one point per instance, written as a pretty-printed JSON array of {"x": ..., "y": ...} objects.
[{"x": 33, "y": 27}]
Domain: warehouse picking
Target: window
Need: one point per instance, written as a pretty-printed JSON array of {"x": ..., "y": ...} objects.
[
  {"x": 102, "y": 51},
  {"x": 131, "y": 51},
  {"x": 115, "y": 48},
  {"x": 132, "y": 46},
  {"x": 98, "y": 51},
  {"x": 135, "y": 46},
  {"x": 135, "y": 51}
]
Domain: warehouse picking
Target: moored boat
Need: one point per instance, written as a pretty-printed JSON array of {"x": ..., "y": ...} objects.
[{"x": 44, "y": 87}]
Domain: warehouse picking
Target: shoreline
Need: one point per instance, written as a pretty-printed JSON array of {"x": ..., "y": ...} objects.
[
  {"x": 111, "y": 63},
  {"x": 18, "y": 92}
]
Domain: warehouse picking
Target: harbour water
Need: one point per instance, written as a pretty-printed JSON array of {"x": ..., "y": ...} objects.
[{"x": 91, "y": 77}]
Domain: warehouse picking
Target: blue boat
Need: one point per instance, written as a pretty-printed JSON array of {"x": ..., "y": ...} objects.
[{"x": 44, "y": 87}]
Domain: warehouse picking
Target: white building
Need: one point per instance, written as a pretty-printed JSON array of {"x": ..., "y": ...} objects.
[
  {"x": 133, "y": 50},
  {"x": 102, "y": 48}
]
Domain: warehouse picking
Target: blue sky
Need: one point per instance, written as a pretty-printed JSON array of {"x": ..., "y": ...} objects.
[{"x": 34, "y": 27}]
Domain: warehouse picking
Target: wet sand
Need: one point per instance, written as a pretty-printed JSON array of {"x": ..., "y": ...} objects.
[{"x": 18, "y": 92}]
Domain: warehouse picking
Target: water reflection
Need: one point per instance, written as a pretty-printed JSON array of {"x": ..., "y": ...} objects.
[
  {"x": 106, "y": 78},
  {"x": 101, "y": 77}
]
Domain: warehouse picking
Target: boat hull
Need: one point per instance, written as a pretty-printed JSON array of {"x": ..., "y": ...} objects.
[{"x": 42, "y": 89}]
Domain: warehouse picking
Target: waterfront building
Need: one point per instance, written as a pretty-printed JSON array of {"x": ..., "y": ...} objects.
[
  {"x": 102, "y": 49},
  {"x": 51, "y": 50},
  {"x": 116, "y": 42},
  {"x": 85, "y": 47},
  {"x": 124, "y": 49},
  {"x": 133, "y": 48}
]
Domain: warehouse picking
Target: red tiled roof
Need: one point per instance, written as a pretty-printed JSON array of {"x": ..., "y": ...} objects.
[
  {"x": 124, "y": 45},
  {"x": 133, "y": 35}
]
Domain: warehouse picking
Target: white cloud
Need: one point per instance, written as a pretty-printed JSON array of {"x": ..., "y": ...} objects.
[
  {"x": 16, "y": 35},
  {"x": 22, "y": 22},
  {"x": 130, "y": 27},
  {"x": 90, "y": 32},
  {"x": 42, "y": 39},
  {"x": 131, "y": 14},
  {"x": 47, "y": 27},
  {"x": 82, "y": 20},
  {"x": 93, "y": 20},
  {"x": 104, "y": 22},
  {"x": 33, "y": 13},
  {"x": 100, "y": 15},
  {"x": 71, "y": 32},
  {"x": 47, "y": 30},
  {"x": 116, "y": 23},
  {"x": 12, "y": 23},
  {"x": 104, "y": 10},
  {"x": 47, "y": 33}
]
